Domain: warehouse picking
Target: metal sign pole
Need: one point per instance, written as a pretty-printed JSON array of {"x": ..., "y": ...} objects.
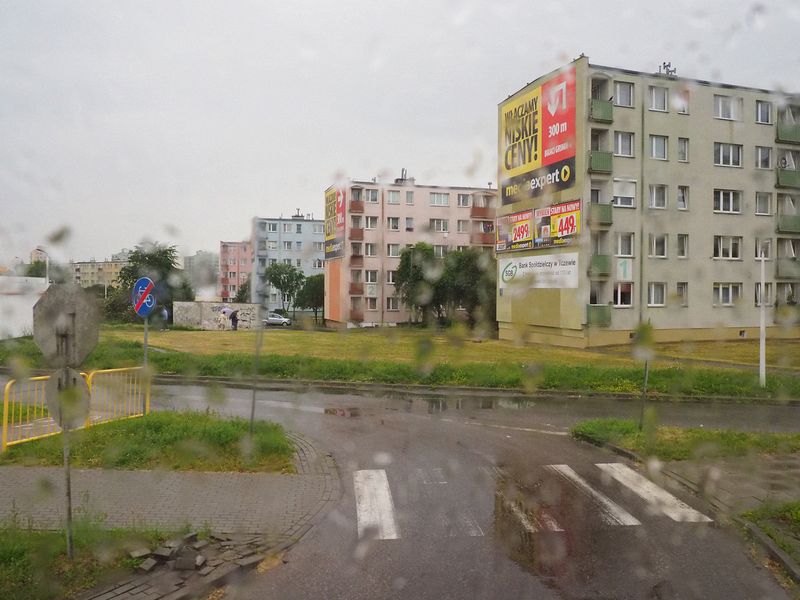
[
  {"x": 259, "y": 340},
  {"x": 67, "y": 488},
  {"x": 144, "y": 400}
]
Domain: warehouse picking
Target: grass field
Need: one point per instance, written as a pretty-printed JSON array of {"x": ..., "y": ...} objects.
[{"x": 781, "y": 523}]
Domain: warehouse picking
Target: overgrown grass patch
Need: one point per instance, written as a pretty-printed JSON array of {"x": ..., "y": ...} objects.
[
  {"x": 675, "y": 443},
  {"x": 178, "y": 441},
  {"x": 781, "y": 522}
]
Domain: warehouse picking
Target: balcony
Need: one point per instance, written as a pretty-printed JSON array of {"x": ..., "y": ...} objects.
[
  {"x": 356, "y": 315},
  {"x": 788, "y": 133},
  {"x": 600, "y": 161},
  {"x": 356, "y": 206},
  {"x": 598, "y": 315},
  {"x": 478, "y": 238},
  {"x": 357, "y": 260},
  {"x": 788, "y": 268},
  {"x": 356, "y": 289},
  {"x": 788, "y": 224},
  {"x": 601, "y": 111},
  {"x": 788, "y": 178},
  {"x": 357, "y": 234},
  {"x": 601, "y": 215},
  {"x": 227, "y": 280},
  {"x": 481, "y": 212},
  {"x": 600, "y": 265}
]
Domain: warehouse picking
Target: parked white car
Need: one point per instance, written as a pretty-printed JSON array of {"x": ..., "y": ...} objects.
[{"x": 276, "y": 319}]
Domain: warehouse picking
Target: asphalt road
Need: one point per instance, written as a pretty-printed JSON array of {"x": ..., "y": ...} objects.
[{"x": 451, "y": 500}]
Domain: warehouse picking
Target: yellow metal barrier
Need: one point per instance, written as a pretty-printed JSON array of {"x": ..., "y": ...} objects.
[{"x": 114, "y": 394}]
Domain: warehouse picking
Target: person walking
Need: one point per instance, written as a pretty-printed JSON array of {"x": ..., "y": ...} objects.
[
  {"x": 235, "y": 320},
  {"x": 164, "y": 317}
]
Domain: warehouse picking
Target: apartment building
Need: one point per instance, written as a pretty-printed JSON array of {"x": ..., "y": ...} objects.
[
  {"x": 632, "y": 197},
  {"x": 96, "y": 272},
  {"x": 202, "y": 271},
  {"x": 235, "y": 267},
  {"x": 298, "y": 241},
  {"x": 367, "y": 225}
]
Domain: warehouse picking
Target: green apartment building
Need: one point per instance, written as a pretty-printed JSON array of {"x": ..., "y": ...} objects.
[{"x": 630, "y": 197}]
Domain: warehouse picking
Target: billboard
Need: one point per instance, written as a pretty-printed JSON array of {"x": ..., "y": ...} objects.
[
  {"x": 536, "y": 139},
  {"x": 547, "y": 227},
  {"x": 334, "y": 223},
  {"x": 549, "y": 271}
]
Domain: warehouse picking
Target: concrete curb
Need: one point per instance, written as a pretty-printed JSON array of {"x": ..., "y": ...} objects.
[{"x": 720, "y": 509}]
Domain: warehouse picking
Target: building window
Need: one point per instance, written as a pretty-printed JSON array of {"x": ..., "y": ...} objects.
[
  {"x": 727, "y": 155},
  {"x": 439, "y": 251},
  {"x": 370, "y": 250},
  {"x": 355, "y": 221},
  {"x": 463, "y": 226},
  {"x": 683, "y": 245},
  {"x": 624, "y": 244},
  {"x": 623, "y": 294},
  {"x": 763, "y": 245},
  {"x": 768, "y": 295},
  {"x": 371, "y": 276},
  {"x": 272, "y": 244},
  {"x": 728, "y": 201},
  {"x": 393, "y": 223},
  {"x": 262, "y": 262},
  {"x": 298, "y": 263},
  {"x": 658, "y": 147},
  {"x": 409, "y": 198},
  {"x": 319, "y": 246},
  {"x": 287, "y": 246},
  {"x": 763, "y": 203},
  {"x": 683, "y": 149},
  {"x": 623, "y": 93},
  {"x": 356, "y": 194},
  {"x": 726, "y": 107},
  {"x": 392, "y": 303},
  {"x": 682, "y": 293},
  {"x": 355, "y": 248},
  {"x": 273, "y": 261},
  {"x": 298, "y": 246},
  {"x": 658, "y": 196},
  {"x": 763, "y": 157},
  {"x": 682, "y": 100},
  {"x": 409, "y": 223},
  {"x": 355, "y": 276},
  {"x": 391, "y": 277},
  {"x": 624, "y": 193},
  {"x": 318, "y": 263},
  {"x": 371, "y": 222},
  {"x": 287, "y": 228},
  {"x": 393, "y": 197},
  {"x": 272, "y": 227},
  {"x": 440, "y": 199},
  {"x": 298, "y": 228},
  {"x": 788, "y": 248},
  {"x": 231, "y": 274},
  {"x": 439, "y": 225},
  {"x": 464, "y": 200},
  {"x": 371, "y": 196},
  {"x": 658, "y": 98},
  {"x": 372, "y": 303},
  {"x": 273, "y": 297},
  {"x": 623, "y": 143},
  {"x": 727, "y": 247},
  {"x": 287, "y": 261},
  {"x": 763, "y": 112},
  {"x": 682, "y": 199},
  {"x": 656, "y": 294},
  {"x": 788, "y": 292},
  {"x": 393, "y": 250},
  {"x": 658, "y": 245},
  {"x": 318, "y": 228},
  {"x": 726, "y": 294}
]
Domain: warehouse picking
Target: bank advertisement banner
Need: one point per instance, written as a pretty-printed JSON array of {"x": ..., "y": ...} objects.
[
  {"x": 536, "y": 140},
  {"x": 540, "y": 271},
  {"x": 547, "y": 227},
  {"x": 334, "y": 223}
]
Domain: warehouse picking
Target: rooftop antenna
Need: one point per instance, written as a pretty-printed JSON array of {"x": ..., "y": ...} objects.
[
  {"x": 403, "y": 173},
  {"x": 666, "y": 69}
]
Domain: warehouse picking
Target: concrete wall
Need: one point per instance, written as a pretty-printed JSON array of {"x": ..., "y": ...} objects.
[
  {"x": 205, "y": 315},
  {"x": 17, "y": 297}
]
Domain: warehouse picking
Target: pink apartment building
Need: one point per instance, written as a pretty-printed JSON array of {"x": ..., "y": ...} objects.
[
  {"x": 235, "y": 267},
  {"x": 367, "y": 225}
]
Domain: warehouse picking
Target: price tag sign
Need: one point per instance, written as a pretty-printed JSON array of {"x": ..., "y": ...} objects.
[
  {"x": 565, "y": 224},
  {"x": 521, "y": 232}
]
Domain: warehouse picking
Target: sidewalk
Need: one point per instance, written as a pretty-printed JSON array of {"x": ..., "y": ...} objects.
[{"x": 248, "y": 513}]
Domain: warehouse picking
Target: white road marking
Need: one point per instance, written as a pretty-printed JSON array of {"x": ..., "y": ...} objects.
[
  {"x": 492, "y": 471},
  {"x": 374, "y": 505},
  {"x": 611, "y": 512},
  {"x": 654, "y": 495},
  {"x": 432, "y": 476},
  {"x": 467, "y": 525},
  {"x": 509, "y": 427},
  {"x": 542, "y": 521}
]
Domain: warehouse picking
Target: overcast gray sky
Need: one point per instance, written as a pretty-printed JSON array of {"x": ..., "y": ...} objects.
[{"x": 179, "y": 121}]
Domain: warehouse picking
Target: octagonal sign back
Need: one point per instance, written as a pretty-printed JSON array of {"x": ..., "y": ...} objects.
[{"x": 66, "y": 324}]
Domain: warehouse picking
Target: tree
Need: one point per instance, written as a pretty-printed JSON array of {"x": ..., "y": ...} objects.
[
  {"x": 470, "y": 278},
  {"x": 312, "y": 294},
  {"x": 417, "y": 280},
  {"x": 37, "y": 268},
  {"x": 243, "y": 293},
  {"x": 157, "y": 261},
  {"x": 286, "y": 279}
]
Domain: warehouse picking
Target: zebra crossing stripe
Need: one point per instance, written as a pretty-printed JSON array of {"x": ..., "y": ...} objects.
[
  {"x": 374, "y": 505},
  {"x": 610, "y": 512},
  {"x": 654, "y": 495}
]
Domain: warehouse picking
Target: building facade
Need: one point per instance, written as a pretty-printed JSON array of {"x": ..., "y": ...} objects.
[
  {"x": 632, "y": 198},
  {"x": 235, "y": 267},
  {"x": 202, "y": 270},
  {"x": 96, "y": 272},
  {"x": 297, "y": 241},
  {"x": 369, "y": 223}
]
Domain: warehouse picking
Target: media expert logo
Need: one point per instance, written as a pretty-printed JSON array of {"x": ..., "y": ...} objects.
[
  {"x": 509, "y": 272},
  {"x": 537, "y": 139}
]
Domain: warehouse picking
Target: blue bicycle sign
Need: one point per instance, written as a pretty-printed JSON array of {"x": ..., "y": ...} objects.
[{"x": 144, "y": 301}]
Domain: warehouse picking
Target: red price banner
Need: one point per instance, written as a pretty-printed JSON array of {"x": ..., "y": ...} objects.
[
  {"x": 521, "y": 232},
  {"x": 566, "y": 224}
]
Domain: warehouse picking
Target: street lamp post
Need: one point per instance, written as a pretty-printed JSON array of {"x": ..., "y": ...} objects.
[{"x": 762, "y": 344}]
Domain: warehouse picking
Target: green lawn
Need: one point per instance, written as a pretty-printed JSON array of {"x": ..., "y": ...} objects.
[
  {"x": 675, "y": 443},
  {"x": 782, "y": 523}
]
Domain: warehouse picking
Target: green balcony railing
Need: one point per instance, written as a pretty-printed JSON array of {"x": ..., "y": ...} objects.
[
  {"x": 788, "y": 133},
  {"x": 600, "y": 265},
  {"x": 601, "y": 214},
  {"x": 598, "y": 315},
  {"x": 788, "y": 224},
  {"x": 788, "y": 178},
  {"x": 601, "y": 162},
  {"x": 788, "y": 268},
  {"x": 601, "y": 111}
]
